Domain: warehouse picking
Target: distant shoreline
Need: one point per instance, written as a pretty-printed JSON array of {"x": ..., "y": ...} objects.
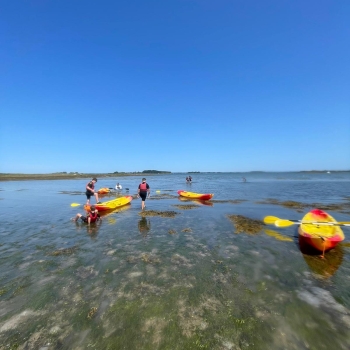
[{"x": 70, "y": 176}]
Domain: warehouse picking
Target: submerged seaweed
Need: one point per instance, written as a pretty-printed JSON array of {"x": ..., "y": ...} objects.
[
  {"x": 300, "y": 207},
  {"x": 164, "y": 214},
  {"x": 186, "y": 206},
  {"x": 64, "y": 251},
  {"x": 163, "y": 196},
  {"x": 247, "y": 225},
  {"x": 71, "y": 192},
  {"x": 232, "y": 201}
]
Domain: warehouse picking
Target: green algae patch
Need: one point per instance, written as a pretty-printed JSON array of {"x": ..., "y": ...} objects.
[
  {"x": 187, "y": 229},
  {"x": 245, "y": 224},
  {"x": 164, "y": 214},
  {"x": 186, "y": 206},
  {"x": 172, "y": 232},
  {"x": 65, "y": 251}
]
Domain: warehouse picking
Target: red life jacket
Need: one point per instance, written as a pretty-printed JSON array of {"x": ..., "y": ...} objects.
[
  {"x": 93, "y": 216},
  {"x": 143, "y": 187}
]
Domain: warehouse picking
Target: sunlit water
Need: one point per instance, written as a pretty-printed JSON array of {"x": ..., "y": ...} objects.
[{"x": 134, "y": 283}]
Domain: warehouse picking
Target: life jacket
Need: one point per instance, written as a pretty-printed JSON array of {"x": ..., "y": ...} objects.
[
  {"x": 143, "y": 187},
  {"x": 93, "y": 216}
]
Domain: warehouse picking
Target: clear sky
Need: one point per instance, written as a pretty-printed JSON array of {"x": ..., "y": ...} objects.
[{"x": 178, "y": 85}]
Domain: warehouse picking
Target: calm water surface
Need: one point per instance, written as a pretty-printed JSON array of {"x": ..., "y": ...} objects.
[{"x": 130, "y": 284}]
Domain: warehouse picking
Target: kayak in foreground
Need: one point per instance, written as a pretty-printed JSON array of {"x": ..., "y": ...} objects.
[
  {"x": 320, "y": 237},
  {"x": 192, "y": 195},
  {"x": 110, "y": 205}
]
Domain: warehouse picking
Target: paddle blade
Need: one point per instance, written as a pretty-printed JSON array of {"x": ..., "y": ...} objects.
[
  {"x": 270, "y": 220},
  {"x": 75, "y": 205},
  {"x": 284, "y": 223}
]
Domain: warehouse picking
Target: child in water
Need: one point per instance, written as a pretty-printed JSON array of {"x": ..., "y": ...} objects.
[{"x": 92, "y": 216}]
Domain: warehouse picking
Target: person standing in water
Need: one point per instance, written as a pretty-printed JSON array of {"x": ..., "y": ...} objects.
[
  {"x": 143, "y": 192},
  {"x": 90, "y": 191}
]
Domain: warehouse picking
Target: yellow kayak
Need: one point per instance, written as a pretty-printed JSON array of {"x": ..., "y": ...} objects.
[
  {"x": 110, "y": 205},
  {"x": 321, "y": 237},
  {"x": 192, "y": 195}
]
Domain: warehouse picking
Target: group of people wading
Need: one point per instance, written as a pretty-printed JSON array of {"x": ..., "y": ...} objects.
[{"x": 143, "y": 192}]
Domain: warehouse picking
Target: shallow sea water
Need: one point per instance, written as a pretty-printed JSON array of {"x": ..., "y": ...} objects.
[{"x": 188, "y": 282}]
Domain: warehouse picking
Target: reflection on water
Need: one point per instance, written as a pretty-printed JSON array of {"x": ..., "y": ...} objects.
[
  {"x": 144, "y": 226},
  {"x": 201, "y": 288},
  {"x": 326, "y": 266}
]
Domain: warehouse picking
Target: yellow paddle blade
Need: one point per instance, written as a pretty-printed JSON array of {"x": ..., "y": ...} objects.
[
  {"x": 269, "y": 220},
  {"x": 75, "y": 205},
  {"x": 283, "y": 223}
]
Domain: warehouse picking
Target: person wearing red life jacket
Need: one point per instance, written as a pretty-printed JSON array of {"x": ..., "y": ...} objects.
[
  {"x": 90, "y": 191},
  {"x": 92, "y": 216},
  {"x": 143, "y": 192}
]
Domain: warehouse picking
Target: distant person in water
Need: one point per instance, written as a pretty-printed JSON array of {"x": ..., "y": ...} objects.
[
  {"x": 118, "y": 187},
  {"x": 90, "y": 191},
  {"x": 187, "y": 179},
  {"x": 143, "y": 191},
  {"x": 190, "y": 178},
  {"x": 244, "y": 179},
  {"x": 92, "y": 216}
]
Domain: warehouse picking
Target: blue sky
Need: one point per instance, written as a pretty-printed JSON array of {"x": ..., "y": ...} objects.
[{"x": 178, "y": 85}]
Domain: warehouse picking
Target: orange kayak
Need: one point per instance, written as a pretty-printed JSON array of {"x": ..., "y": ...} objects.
[{"x": 103, "y": 190}]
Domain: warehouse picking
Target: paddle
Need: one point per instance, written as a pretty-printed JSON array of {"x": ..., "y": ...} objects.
[
  {"x": 285, "y": 223},
  {"x": 75, "y": 205},
  {"x": 269, "y": 220}
]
